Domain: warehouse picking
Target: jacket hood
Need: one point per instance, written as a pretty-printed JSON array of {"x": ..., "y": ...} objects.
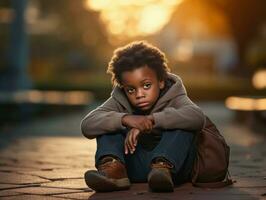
[{"x": 175, "y": 90}]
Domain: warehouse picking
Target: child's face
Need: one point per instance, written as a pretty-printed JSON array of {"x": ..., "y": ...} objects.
[{"x": 142, "y": 87}]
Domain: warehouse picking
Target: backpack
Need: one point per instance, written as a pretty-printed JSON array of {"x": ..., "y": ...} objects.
[{"x": 211, "y": 165}]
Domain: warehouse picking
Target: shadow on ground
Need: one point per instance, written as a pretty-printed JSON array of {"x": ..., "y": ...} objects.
[{"x": 47, "y": 157}]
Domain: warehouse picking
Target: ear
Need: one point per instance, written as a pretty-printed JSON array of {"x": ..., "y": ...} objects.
[{"x": 161, "y": 84}]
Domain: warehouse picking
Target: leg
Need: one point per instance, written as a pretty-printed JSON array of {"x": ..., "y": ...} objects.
[
  {"x": 138, "y": 165},
  {"x": 178, "y": 147},
  {"x": 110, "y": 144},
  {"x": 111, "y": 174}
]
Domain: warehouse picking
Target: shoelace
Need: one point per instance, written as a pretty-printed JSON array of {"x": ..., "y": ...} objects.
[
  {"x": 106, "y": 164},
  {"x": 162, "y": 165}
]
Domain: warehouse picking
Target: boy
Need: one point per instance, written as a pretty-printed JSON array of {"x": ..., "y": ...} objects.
[{"x": 145, "y": 130}]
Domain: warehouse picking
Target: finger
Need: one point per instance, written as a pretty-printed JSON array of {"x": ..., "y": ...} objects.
[
  {"x": 130, "y": 141},
  {"x": 141, "y": 126},
  {"x": 135, "y": 137},
  {"x": 126, "y": 143},
  {"x": 150, "y": 117},
  {"x": 150, "y": 125},
  {"x": 125, "y": 146},
  {"x": 145, "y": 126},
  {"x": 126, "y": 149},
  {"x": 150, "y": 122}
]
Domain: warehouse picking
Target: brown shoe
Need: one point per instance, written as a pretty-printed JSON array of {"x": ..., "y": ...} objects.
[
  {"x": 160, "y": 178},
  {"x": 111, "y": 176}
]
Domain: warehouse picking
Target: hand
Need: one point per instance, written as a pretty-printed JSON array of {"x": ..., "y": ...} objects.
[
  {"x": 131, "y": 140},
  {"x": 141, "y": 122},
  {"x": 150, "y": 117}
]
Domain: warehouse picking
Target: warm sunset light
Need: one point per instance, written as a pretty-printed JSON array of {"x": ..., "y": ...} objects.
[
  {"x": 259, "y": 79},
  {"x": 51, "y": 97},
  {"x": 133, "y": 18},
  {"x": 245, "y": 103}
]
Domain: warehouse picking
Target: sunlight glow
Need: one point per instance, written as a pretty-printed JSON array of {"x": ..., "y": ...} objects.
[
  {"x": 259, "y": 79},
  {"x": 133, "y": 18},
  {"x": 48, "y": 97},
  {"x": 245, "y": 103},
  {"x": 184, "y": 51}
]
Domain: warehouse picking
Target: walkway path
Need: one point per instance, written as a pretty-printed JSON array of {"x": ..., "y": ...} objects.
[{"x": 46, "y": 159}]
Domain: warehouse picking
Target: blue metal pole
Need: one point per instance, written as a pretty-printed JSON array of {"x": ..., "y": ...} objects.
[
  {"x": 17, "y": 77},
  {"x": 18, "y": 55}
]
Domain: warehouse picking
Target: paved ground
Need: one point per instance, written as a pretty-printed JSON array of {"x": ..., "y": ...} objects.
[{"x": 46, "y": 159}]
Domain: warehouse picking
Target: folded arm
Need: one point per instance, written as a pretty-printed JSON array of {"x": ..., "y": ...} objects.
[
  {"x": 103, "y": 119},
  {"x": 183, "y": 114}
]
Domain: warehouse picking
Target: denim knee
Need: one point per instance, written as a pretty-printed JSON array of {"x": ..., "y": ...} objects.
[
  {"x": 176, "y": 146},
  {"x": 180, "y": 132},
  {"x": 110, "y": 144}
]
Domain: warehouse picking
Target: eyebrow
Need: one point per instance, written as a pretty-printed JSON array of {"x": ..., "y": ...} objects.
[{"x": 146, "y": 79}]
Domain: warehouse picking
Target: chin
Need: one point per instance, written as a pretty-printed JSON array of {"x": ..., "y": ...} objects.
[{"x": 144, "y": 109}]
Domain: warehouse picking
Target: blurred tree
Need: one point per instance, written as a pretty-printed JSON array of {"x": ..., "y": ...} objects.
[
  {"x": 245, "y": 17},
  {"x": 79, "y": 29},
  {"x": 76, "y": 48}
]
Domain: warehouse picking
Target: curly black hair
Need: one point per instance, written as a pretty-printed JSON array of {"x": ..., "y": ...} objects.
[{"x": 135, "y": 55}]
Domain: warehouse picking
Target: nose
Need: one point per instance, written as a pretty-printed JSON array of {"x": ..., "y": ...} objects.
[{"x": 140, "y": 94}]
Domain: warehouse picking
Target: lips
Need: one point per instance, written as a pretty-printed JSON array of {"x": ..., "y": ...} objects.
[{"x": 143, "y": 104}]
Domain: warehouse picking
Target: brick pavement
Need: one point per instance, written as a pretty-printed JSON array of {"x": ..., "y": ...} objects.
[{"x": 35, "y": 164}]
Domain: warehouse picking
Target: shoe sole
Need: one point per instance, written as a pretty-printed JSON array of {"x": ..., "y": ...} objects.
[
  {"x": 100, "y": 183},
  {"x": 158, "y": 182}
]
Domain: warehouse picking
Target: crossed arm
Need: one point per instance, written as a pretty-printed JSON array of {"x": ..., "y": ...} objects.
[
  {"x": 139, "y": 124},
  {"x": 183, "y": 114}
]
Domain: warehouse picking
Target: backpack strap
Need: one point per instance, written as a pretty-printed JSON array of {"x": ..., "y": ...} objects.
[{"x": 227, "y": 181}]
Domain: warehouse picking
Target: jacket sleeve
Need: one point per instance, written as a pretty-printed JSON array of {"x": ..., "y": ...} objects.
[
  {"x": 105, "y": 118},
  {"x": 184, "y": 114}
]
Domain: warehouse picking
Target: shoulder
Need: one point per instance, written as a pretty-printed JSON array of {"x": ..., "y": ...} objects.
[
  {"x": 118, "y": 95},
  {"x": 177, "y": 86},
  {"x": 174, "y": 78}
]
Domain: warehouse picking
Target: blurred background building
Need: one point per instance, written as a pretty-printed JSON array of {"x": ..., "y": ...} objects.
[{"x": 218, "y": 47}]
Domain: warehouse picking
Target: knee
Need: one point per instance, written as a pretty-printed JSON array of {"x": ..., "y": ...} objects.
[
  {"x": 110, "y": 137},
  {"x": 179, "y": 133}
]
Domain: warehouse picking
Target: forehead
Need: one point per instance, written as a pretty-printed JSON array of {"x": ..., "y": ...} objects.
[{"x": 138, "y": 75}]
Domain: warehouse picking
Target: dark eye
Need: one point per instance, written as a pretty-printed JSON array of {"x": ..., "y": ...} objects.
[
  {"x": 130, "y": 90},
  {"x": 147, "y": 85}
]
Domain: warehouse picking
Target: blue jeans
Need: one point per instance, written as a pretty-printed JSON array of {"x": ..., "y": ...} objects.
[{"x": 177, "y": 146}]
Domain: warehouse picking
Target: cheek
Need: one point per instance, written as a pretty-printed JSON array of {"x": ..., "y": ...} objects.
[
  {"x": 155, "y": 93},
  {"x": 130, "y": 98}
]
